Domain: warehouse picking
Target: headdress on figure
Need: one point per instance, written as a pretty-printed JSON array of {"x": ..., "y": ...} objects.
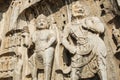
[
  {"x": 79, "y": 9},
  {"x": 41, "y": 21}
]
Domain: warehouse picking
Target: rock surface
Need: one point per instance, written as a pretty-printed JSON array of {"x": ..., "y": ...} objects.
[{"x": 20, "y": 55}]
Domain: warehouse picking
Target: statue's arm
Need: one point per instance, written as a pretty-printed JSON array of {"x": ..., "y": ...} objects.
[
  {"x": 66, "y": 43},
  {"x": 33, "y": 38},
  {"x": 51, "y": 38}
]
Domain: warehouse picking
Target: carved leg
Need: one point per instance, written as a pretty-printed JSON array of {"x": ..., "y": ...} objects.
[
  {"x": 25, "y": 69},
  {"x": 102, "y": 67},
  {"x": 34, "y": 73},
  {"x": 48, "y": 58},
  {"x": 33, "y": 67},
  {"x": 18, "y": 69},
  {"x": 74, "y": 75}
]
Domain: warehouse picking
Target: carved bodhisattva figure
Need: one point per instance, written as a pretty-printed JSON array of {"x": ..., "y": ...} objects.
[
  {"x": 87, "y": 48},
  {"x": 44, "y": 39}
]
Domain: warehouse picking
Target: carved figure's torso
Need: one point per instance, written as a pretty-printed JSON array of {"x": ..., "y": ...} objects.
[{"x": 41, "y": 38}]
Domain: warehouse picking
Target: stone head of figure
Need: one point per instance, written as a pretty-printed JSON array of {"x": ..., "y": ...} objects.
[
  {"x": 41, "y": 22},
  {"x": 79, "y": 10}
]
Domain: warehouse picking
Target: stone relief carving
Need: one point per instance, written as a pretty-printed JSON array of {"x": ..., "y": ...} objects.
[
  {"x": 116, "y": 34},
  {"x": 15, "y": 59},
  {"x": 44, "y": 40},
  {"x": 88, "y": 50},
  {"x": 67, "y": 43}
]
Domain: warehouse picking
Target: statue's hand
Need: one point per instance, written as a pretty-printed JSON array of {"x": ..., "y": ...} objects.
[
  {"x": 73, "y": 50},
  {"x": 84, "y": 49},
  {"x": 44, "y": 47}
]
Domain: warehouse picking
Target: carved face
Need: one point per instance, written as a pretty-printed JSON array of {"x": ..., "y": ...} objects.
[
  {"x": 78, "y": 10},
  {"x": 42, "y": 22}
]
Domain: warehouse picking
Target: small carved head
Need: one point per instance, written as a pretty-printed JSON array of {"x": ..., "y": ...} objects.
[
  {"x": 116, "y": 32},
  {"x": 26, "y": 29},
  {"x": 41, "y": 22},
  {"x": 79, "y": 10}
]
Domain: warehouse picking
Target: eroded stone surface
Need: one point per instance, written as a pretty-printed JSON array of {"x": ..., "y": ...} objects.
[{"x": 59, "y": 40}]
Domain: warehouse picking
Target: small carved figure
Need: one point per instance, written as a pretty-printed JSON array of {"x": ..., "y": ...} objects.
[
  {"x": 116, "y": 34},
  {"x": 44, "y": 40},
  {"x": 23, "y": 39},
  {"x": 25, "y": 44},
  {"x": 88, "y": 48}
]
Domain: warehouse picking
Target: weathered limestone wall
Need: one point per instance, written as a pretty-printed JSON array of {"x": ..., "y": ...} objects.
[{"x": 15, "y": 14}]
